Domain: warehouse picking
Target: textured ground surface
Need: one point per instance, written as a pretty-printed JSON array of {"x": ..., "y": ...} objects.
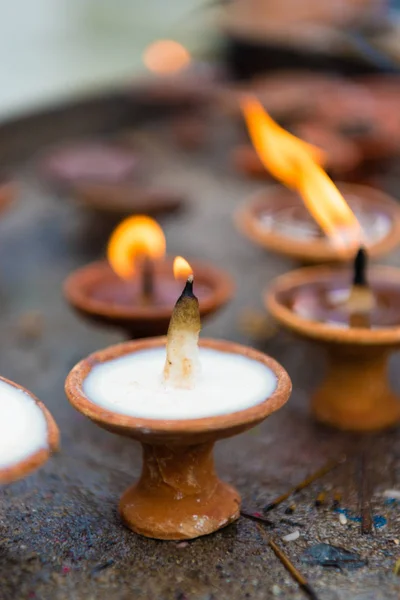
[{"x": 60, "y": 535}]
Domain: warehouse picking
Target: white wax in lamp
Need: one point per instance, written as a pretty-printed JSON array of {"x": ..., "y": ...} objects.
[
  {"x": 294, "y": 222},
  {"x": 196, "y": 382},
  {"x": 132, "y": 385},
  {"x": 23, "y": 426}
]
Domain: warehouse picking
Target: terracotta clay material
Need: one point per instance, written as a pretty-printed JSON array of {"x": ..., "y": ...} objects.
[
  {"x": 37, "y": 459},
  {"x": 366, "y": 111},
  {"x": 342, "y": 155},
  {"x": 277, "y": 201},
  {"x": 126, "y": 198},
  {"x": 94, "y": 162},
  {"x": 355, "y": 394},
  {"x": 98, "y": 294},
  {"x": 8, "y": 191},
  {"x": 178, "y": 495}
]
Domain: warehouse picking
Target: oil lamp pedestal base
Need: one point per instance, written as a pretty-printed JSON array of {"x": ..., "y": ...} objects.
[
  {"x": 355, "y": 394},
  {"x": 178, "y": 495}
]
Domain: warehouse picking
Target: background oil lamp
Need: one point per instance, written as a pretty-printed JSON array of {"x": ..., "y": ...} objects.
[
  {"x": 356, "y": 316},
  {"x": 108, "y": 178},
  {"x": 174, "y": 78},
  {"x": 28, "y": 433},
  {"x": 135, "y": 288},
  {"x": 356, "y": 120},
  {"x": 291, "y": 220},
  {"x": 177, "y": 397}
]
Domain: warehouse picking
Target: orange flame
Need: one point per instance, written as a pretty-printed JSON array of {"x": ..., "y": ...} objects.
[
  {"x": 328, "y": 207},
  {"x": 278, "y": 150},
  {"x": 181, "y": 268},
  {"x": 165, "y": 57},
  {"x": 295, "y": 164},
  {"x": 134, "y": 238}
]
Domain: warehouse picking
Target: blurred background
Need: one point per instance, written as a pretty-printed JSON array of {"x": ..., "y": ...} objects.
[{"x": 54, "y": 49}]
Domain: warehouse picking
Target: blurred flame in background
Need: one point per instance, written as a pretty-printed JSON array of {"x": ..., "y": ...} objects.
[
  {"x": 165, "y": 57},
  {"x": 133, "y": 239}
]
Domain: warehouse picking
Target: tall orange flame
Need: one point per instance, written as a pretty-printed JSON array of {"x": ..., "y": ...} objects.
[
  {"x": 295, "y": 164},
  {"x": 135, "y": 238},
  {"x": 279, "y": 150},
  {"x": 165, "y": 57},
  {"x": 181, "y": 268}
]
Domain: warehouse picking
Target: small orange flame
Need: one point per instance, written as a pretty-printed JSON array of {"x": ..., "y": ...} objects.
[
  {"x": 295, "y": 164},
  {"x": 181, "y": 268},
  {"x": 165, "y": 57},
  {"x": 134, "y": 238}
]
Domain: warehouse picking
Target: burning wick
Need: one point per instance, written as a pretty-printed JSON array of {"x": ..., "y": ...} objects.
[
  {"x": 182, "y": 363},
  {"x": 361, "y": 300},
  {"x": 147, "y": 280},
  {"x": 134, "y": 246}
]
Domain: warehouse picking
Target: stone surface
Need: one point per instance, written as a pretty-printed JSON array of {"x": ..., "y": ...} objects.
[{"x": 60, "y": 535}]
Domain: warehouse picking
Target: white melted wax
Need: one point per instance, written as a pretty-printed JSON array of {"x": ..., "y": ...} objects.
[
  {"x": 23, "y": 426},
  {"x": 133, "y": 385}
]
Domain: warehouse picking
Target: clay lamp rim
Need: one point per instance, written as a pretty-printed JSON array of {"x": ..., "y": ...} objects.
[
  {"x": 322, "y": 331},
  {"x": 41, "y": 456},
  {"x": 75, "y": 286},
  {"x": 127, "y": 197},
  {"x": 49, "y": 160},
  {"x": 315, "y": 250},
  {"x": 225, "y": 424}
]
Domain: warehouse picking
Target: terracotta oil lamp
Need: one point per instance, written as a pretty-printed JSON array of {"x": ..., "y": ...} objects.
[
  {"x": 358, "y": 322},
  {"x": 278, "y": 220},
  {"x": 28, "y": 432},
  {"x": 122, "y": 199},
  {"x": 89, "y": 162},
  {"x": 177, "y": 398},
  {"x": 107, "y": 179},
  {"x": 366, "y": 112},
  {"x": 135, "y": 290},
  {"x": 290, "y": 220}
]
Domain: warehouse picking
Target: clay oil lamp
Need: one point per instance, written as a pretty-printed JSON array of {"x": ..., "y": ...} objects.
[
  {"x": 173, "y": 79},
  {"x": 355, "y": 316},
  {"x": 108, "y": 179},
  {"x": 134, "y": 290},
  {"x": 89, "y": 162},
  {"x": 366, "y": 112},
  {"x": 28, "y": 433},
  {"x": 288, "y": 220},
  {"x": 177, "y": 397}
]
